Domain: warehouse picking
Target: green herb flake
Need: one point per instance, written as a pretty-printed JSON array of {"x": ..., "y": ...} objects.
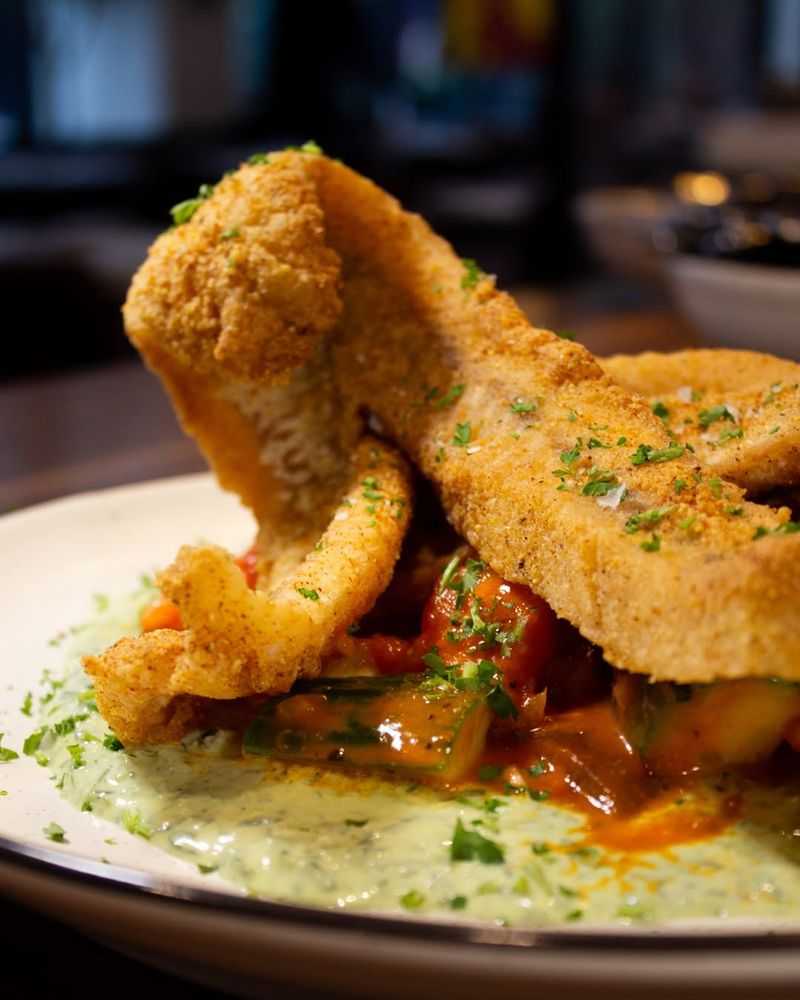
[
  {"x": 661, "y": 410},
  {"x": 32, "y": 742},
  {"x": 458, "y": 903},
  {"x": 469, "y": 845},
  {"x": 184, "y": 210},
  {"x": 133, "y": 823},
  {"x": 686, "y": 523},
  {"x": 112, "y": 742},
  {"x": 538, "y": 794},
  {"x": 308, "y": 592},
  {"x": 602, "y": 482},
  {"x": 728, "y": 434},
  {"x": 647, "y": 453},
  {"x": 472, "y": 274},
  {"x": 412, "y": 900},
  {"x": 679, "y": 485},
  {"x": 55, "y": 833},
  {"x": 541, "y": 849},
  {"x": 565, "y": 334},
  {"x": 707, "y": 417},
  {"x": 356, "y": 822},
  {"x": 453, "y": 394},
  {"x": 5, "y": 753},
  {"x": 75, "y": 750},
  {"x": 652, "y": 545},
  {"x": 259, "y": 160},
  {"x": 27, "y": 705},
  {"x": 206, "y": 869},
  {"x": 647, "y": 517},
  {"x": 463, "y": 433},
  {"x": 520, "y": 405},
  {"x": 230, "y": 233}
]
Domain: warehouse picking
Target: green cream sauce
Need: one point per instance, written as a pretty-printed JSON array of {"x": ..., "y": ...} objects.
[{"x": 300, "y": 835}]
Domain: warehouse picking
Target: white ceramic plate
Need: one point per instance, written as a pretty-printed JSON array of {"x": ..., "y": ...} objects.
[{"x": 53, "y": 559}]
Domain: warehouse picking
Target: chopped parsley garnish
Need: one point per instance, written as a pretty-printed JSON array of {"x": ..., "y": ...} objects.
[
  {"x": 538, "y": 795},
  {"x": 653, "y": 545},
  {"x": 5, "y": 753},
  {"x": 789, "y": 528},
  {"x": 458, "y": 903},
  {"x": 463, "y": 433},
  {"x": 680, "y": 485},
  {"x": 55, "y": 833},
  {"x": 412, "y": 900},
  {"x": 184, "y": 210},
  {"x": 206, "y": 869},
  {"x": 133, "y": 823},
  {"x": 537, "y": 769},
  {"x": 230, "y": 233},
  {"x": 727, "y": 435},
  {"x": 520, "y": 405},
  {"x": 472, "y": 274},
  {"x": 27, "y": 704},
  {"x": 720, "y": 412},
  {"x": 569, "y": 458},
  {"x": 65, "y": 726},
  {"x": 469, "y": 845},
  {"x": 308, "y": 147},
  {"x": 258, "y": 159},
  {"x": 32, "y": 742},
  {"x": 602, "y": 482},
  {"x": 565, "y": 334},
  {"x": 111, "y": 742},
  {"x": 647, "y": 453},
  {"x": 661, "y": 410},
  {"x": 451, "y": 396},
  {"x": 646, "y": 518},
  {"x": 541, "y": 849},
  {"x": 308, "y": 592},
  {"x": 75, "y": 750}
]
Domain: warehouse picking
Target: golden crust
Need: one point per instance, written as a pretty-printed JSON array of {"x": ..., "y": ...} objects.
[
  {"x": 756, "y": 444},
  {"x": 693, "y": 611},
  {"x": 515, "y": 427},
  {"x": 237, "y": 642}
]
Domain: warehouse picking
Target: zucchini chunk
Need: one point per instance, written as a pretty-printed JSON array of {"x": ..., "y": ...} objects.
[
  {"x": 401, "y": 723},
  {"x": 702, "y": 728}
]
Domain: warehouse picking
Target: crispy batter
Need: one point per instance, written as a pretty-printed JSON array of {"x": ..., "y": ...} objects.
[
  {"x": 238, "y": 642},
  {"x": 755, "y": 442},
  {"x": 132, "y": 685},
  {"x": 519, "y": 431}
]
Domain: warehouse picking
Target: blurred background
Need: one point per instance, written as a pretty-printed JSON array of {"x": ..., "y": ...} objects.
[{"x": 570, "y": 146}]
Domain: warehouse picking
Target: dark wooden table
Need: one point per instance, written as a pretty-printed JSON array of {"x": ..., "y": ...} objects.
[{"x": 113, "y": 425}]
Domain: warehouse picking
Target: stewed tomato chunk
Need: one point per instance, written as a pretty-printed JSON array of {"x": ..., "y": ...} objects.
[{"x": 476, "y": 617}]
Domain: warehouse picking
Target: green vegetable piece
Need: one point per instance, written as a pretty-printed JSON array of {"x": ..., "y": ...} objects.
[
  {"x": 687, "y": 728},
  {"x": 401, "y": 723}
]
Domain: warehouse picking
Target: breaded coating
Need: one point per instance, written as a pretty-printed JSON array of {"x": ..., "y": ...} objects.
[
  {"x": 556, "y": 475},
  {"x": 237, "y": 642},
  {"x": 739, "y": 410},
  {"x": 133, "y": 690}
]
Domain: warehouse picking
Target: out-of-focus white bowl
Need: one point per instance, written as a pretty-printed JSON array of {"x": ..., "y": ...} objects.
[
  {"x": 618, "y": 223},
  {"x": 738, "y": 304}
]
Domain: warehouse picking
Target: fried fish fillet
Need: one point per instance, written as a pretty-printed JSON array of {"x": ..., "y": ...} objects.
[
  {"x": 555, "y": 474},
  {"x": 739, "y": 410},
  {"x": 237, "y": 642}
]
